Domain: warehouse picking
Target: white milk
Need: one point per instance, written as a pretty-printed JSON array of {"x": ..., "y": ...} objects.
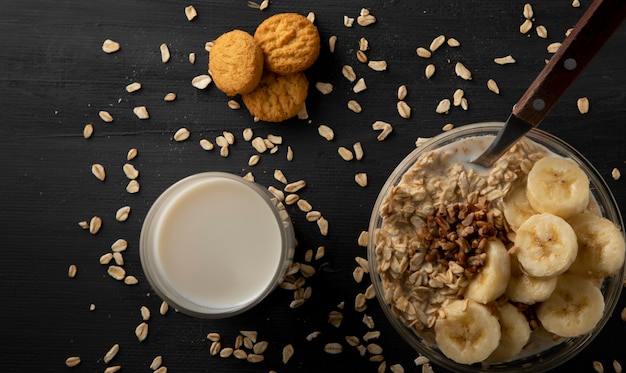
[{"x": 216, "y": 242}]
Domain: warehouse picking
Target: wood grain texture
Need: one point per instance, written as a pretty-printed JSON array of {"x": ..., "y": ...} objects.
[{"x": 54, "y": 79}]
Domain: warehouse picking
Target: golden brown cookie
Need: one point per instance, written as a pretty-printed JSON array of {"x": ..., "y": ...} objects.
[
  {"x": 236, "y": 63},
  {"x": 290, "y": 42},
  {"x": 277, "y": 97}
]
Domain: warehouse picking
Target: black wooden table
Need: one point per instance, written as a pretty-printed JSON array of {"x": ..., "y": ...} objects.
[{"x": 55, "y": 79}]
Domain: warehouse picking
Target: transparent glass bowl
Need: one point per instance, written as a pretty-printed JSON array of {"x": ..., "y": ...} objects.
[{"x": 552, "y": 357}]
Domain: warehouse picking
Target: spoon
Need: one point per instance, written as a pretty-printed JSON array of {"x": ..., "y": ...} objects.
[{"x": 595, "y": 27}]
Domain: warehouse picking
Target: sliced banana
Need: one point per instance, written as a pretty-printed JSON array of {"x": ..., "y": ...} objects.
[
  {"x": 558, "y": 186},
  {"x": 545, "y": 245},
  {"x": 517, "y": 209},
  {"x": 469, "y": 333},
  {"x": 600, "y": 246},
  {"x": 515, "y": 331},
  {"x": 574, "y": 308},
  {"x": 530, "y": 290},
  {"x": 491, "y": 280}
]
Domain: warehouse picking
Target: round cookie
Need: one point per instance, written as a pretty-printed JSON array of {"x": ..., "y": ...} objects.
[
  {"x": 290, "y": 42},
  {"x": 277, "y": 97},
  {"x": 236, "y": 63}
]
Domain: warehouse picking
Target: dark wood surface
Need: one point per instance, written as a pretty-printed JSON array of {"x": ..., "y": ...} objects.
[{"x": 55, "y": 78}]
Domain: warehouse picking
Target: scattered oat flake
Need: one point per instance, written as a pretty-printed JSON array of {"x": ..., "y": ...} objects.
[
  {"x": 111, "y": 353},
  {"x": 326, "y": 132},
  {"x": 72, "y": 361},
  {"x": 122, "y": 213},
  {"x": 333, "y": 348},
  {"x": 156, "y": 362},
  {"x": 493, "y": 86},
  {"x": 288, "y": 352},
  {"x": 402, "y": 92},
  {"x": 421, "y": 360},
  {"x": 131, "y": 280},
  {"x": 133, "y": 187},
  {"x": 105, "y": 116},
  {"x": 322, "y": 224},
  {"x": 165, "y": 53},
  {"x": 348, "y": 73},
  {"x": 71, "y": 271},
  {"x": 404, "y": 110},
  {"x": 87, "y": 130},
  {"x": 141, "y": 331},
  {"x": 133, "y": 87},
  {"x": 324, "y": 88},
  {"x": 170, "y": 97},
  {"x": 437, "y": 42},
  {"x": 145, "y": 313},
  {"x": 423, "y": 52},
  {"x": 616, "y": 174},
  {"x": 365, "y": 20},
  {"x": 132, "y": 153},
  {"x": 311, "y": 336},
  {"x": 575, "y": 3},
  {"x": 429, "y": 71},
  {"x": 553, "y": 47},
  {"x": 583, "y": 105},
  {"x": 95, "y": 224},
  {"x": 452, "y": 42},
  {"x": 504, "y": 60},
  {"x": 332, "y": 41},
  {"x": 110, "y": 46},
  {"x": 526, "y": 26},
  {"x": 354, "y": 106},
  {"x": 542, "y": 32},
  {"x": 345, "y": 153},
  {"x": 190, "y": 12},
  {"x": 377, "y": 65},
  {"x": 98, "y": 171},
  {"x": 163, "y": 308},
  {"x": 181, "y": 134},
  {"x": 201, "y": 81},
  {"x": 447, "y": 127},
  {"x": 617, "y": 366},
  {"x": 598, "y": 367},
  {"x": 234, "y": 105},
  {"x": 462, "y": 71},
  {"x": 361, "y": 179},
  {"x": 358, "y": 150},
  {"x": 360, "y": 86},
  {"x": 348, "y": 21},
  {"x": 443, "y": 107},
  {"x": 141, "y": 112}
]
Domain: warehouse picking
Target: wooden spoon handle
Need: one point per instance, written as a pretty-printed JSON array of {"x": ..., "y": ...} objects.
[{"x": 593, "y": 29}]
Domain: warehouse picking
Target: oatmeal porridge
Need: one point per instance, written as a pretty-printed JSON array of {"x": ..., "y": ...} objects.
[{"x": 449, "y": 246}]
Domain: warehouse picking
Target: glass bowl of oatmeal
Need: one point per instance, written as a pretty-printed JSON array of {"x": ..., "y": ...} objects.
[{"x": 456, "y": 261}]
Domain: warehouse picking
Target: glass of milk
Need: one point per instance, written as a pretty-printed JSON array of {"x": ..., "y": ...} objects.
[{"x": 214, "y": 245}]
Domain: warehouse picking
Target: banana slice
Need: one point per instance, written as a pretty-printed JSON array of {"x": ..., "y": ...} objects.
[
  {"x": 558, "y": 186},
  {"x": 545, "y": 245},
  {"x": 517, "y": 209},
  {"x": 491, "y": 280},
  {"x": 469, "y": 333},
  {"x": 573, "y": 309},
  {"x": 600, "y": 246},
  {"x": 530, "y": 290},
  {"x": 515, "y": 331}
]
